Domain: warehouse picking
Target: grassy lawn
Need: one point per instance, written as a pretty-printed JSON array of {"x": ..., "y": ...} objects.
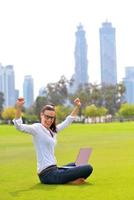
[{"x": 112, "y": 160}]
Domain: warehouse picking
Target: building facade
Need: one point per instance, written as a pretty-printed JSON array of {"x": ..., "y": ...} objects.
[
  {"x": 108, "y": 54},
  {"x": 129, "y": 84},
  {"x": 1, "y": 78},
  {"x": 28, "y": 91},
  {"x": 7, "y": 85},
  {"x": 80, "y": 76}
]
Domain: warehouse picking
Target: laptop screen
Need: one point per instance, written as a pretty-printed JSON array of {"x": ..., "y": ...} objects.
[{"x": 83, "y": 156}]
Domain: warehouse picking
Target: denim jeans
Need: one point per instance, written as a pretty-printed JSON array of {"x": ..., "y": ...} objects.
[{"x": 61, "y": 175}]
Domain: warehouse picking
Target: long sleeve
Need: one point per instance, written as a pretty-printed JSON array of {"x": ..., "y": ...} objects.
[
  {"x": 69, "y": 119},
  {"x": 23, "y": 127}
]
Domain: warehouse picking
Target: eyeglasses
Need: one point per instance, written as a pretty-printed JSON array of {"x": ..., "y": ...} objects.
[{"x": 49, "y": 117}]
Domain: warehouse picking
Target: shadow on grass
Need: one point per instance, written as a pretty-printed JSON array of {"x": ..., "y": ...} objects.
[
  {"x": 37, "y": 186},
  {"x": 47, "y": 187}
]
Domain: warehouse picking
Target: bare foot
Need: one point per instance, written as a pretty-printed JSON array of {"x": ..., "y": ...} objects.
[{"x": 78, "y": 181}]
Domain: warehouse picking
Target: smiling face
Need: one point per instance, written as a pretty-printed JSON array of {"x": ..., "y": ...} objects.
[{"x": 47, "y": 118}]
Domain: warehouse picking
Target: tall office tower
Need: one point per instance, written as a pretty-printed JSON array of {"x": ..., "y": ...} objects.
[
  {"x": 9, "y": 86},
  {"x": 28, "y": 92},
  {"x": 81, "y": 63},
  {"x": 108, "y": 54},
  {"x": 1, "y": 78},
  {"x": 129, "y": 84},
  {"x": 16, "y": 94}
]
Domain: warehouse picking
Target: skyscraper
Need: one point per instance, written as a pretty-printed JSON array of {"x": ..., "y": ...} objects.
[
  {"x": 10, "y": 85},
  {"x": 129, "y": 84},
  {"x": 28, "y": 92},
  {"x": 108, "y": 54},
  {"x": 80, "y": 76},
  {"x": 1, "y": 78},
  {"x": 7, "y": 84}
]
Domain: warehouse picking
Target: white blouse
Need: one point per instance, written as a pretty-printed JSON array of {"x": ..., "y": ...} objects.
[{"x": 43, "y": 142}]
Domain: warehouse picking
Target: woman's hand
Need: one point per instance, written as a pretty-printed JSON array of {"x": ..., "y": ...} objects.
[
  {"x": 20, "y": 101},
  {"x": 77, "y": 102},
  {"x": 19, "y": 104},
  {"x": 77, "y": 107}
]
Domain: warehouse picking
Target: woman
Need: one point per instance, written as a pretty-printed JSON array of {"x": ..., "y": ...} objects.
[{"x": 44, "y": 139}]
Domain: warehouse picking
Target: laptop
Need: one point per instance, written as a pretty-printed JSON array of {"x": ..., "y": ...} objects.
[{"x": 82, "y": 157}]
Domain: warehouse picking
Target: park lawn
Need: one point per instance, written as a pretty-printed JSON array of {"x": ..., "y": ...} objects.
[{"x": 112, "y": 160}]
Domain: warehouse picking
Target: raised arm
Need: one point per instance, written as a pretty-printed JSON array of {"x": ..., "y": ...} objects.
[
  {"x": 76, "y": 109},
  {"x": 19, "y": 104},
  {"x": 71, "y": 117},
  {"x": 27, "y": 128}
]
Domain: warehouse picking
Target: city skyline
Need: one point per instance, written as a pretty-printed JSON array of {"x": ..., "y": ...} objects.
[{"x": 39, "y": 36}]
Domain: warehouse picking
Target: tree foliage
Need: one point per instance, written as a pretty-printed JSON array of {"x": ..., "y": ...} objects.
[
  {"x": 126, "y": 111},
  {"x": 57, "y": 93},
  {"x": 91, "y": 111},
  {"x": 1, "y": 102},
  {"x": 39, "y": 103},
  {"x": 30, "y": 118},
  {"x": 112, "y": 97},
  {"x": 8, "y": 113},
  {"x": 62, "y": 112},
  {"x": 109, "y": 96}
]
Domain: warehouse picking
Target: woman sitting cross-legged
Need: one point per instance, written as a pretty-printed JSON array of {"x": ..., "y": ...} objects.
[{"x": 44, "y": 139}]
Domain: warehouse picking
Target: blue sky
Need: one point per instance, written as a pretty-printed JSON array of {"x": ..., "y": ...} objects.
[{"x": 38, "y": 36}]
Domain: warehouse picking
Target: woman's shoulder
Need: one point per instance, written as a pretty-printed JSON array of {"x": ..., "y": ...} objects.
[{"x": 37, "y": 124}]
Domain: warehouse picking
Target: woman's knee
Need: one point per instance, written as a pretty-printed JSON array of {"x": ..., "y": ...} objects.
[{"x": 88, "y": 170}]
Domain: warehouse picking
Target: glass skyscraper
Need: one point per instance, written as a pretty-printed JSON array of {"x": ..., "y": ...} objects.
[
  {"x": 28, "y": 92},
  {"x": 7, "y": 85},
  {"x": 80, "y": 76},
  {"x": 1, "y": 78},
  {"x": 108, "y": 54},
  {"x": 129, "y": 84}
]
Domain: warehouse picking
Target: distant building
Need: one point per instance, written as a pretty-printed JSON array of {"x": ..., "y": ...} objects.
[
  {"x": 7, "y": 85},
  {"x": 108, "y": 54},
  {"x": 42, "y": 92},
  {"x": 28, "y": 91},
  {"x": 80, "y": 76},
  {"x": 16, "y": 94},
  {"x": 1, "y": 78},
  {"x": 129, "y": 84}
]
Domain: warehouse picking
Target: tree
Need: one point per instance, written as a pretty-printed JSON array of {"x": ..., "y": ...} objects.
[
  {"x": 95, "y": 97},
  {"x": 101, "y": 111},
  {"x": 62, "y": 112},
  {"x": 30, "y": 118},
  {"x": 39, "y": 103},
  {"x": 126, "y": 111},
  {"x": 91, "y": 111},
  {"x": 1, "y": 102},
  {"x": 8, "y": 114},
  {"x": 121, "y": 91},
  {"x": 57, "y": 93},
  {"x": 84, "y": 93},
  {"x": 112, "y": 97}
]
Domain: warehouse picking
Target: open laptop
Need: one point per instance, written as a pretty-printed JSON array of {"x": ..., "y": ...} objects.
[{"x": 82, "y": 157}]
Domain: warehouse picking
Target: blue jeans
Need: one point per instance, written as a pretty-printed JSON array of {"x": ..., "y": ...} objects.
[{"x": 61, "y": 175}]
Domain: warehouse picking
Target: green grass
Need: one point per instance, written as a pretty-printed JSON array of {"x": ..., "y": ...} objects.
[{"x": 112, "y": 160}]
